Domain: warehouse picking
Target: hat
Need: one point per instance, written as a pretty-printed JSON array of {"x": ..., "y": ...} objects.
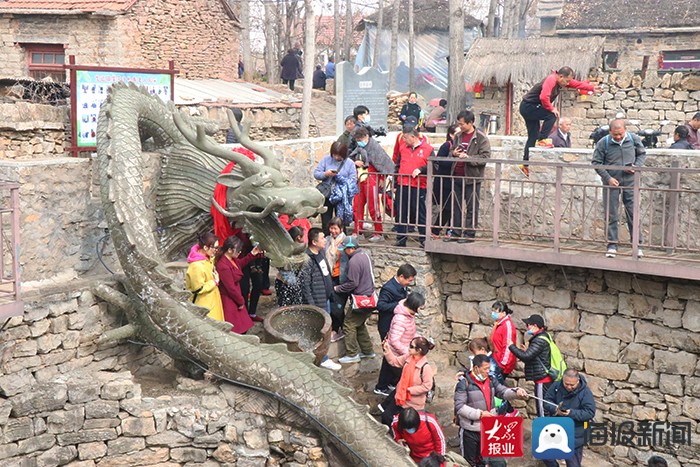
[
  {"x": 349, "y": 242},
  {"x": 537, "y": 320},
  {"x": 410, "y": 123}
]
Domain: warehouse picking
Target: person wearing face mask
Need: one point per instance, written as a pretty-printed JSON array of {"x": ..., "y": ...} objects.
[
  {"x": 502, "y": 359},
  {"x": 474, "y": 399},
  {"x": 371, "y": 160},
  {"x": 420, "y": 431},
  {"x": 536, "y": 357}
]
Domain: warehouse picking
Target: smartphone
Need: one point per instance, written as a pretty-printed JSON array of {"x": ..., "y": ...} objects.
[{"x": 334, "y": 171}]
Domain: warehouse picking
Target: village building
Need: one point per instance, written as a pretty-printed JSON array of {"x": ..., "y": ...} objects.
[
  {"x": 38, "y": 36},
  {"x": 646, "y": 59}
]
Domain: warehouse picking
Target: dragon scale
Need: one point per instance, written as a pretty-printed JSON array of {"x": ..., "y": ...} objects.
[{"x": 161, "y": 314}]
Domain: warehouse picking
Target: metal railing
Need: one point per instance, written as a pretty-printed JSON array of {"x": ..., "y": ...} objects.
[
  {"x": 558, "y": 211},
  {"x": 10, "y": 299}
]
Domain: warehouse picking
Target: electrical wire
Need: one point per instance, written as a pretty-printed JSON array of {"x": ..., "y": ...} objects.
[{"x": 99, "y": 252}]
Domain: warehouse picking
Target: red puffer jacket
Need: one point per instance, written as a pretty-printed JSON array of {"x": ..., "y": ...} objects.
[
  {"x": 502, "y": 332},
  {"x": 411, "y": 159}
]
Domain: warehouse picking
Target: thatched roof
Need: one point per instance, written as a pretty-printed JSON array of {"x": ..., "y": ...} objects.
[
  {"x": 529, "y": 59},
  {"x": 429, "y": 15},
  {"x": 647, "y": 14}
]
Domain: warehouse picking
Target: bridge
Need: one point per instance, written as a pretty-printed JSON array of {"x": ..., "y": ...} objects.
[{"x": 556, "y": 216}]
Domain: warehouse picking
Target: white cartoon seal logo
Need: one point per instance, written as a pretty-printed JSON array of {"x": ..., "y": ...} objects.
[{"x": 553, "y": 436}]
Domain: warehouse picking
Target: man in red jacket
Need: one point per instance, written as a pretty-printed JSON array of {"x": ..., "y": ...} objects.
[
  {"x": 537, "y": 105},
  {"x": 411, "y": 183}
]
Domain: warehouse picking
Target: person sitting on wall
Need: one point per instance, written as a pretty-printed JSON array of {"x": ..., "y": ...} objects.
[
  {"x": 436, "y": 115},
  {"x": 561, "y": 137},
  {"x": 680, "y": 138}
]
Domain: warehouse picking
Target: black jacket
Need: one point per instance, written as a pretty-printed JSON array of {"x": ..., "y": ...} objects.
[
  {"x": 319, "y": 80},
  {"x": 410, "y": 110},
  {"x": 537, "y": 357},
  {"x": 390, "y": 296},
  {"x": 580, "y": 402},
  {"x": 681, "y": 144},
  {"x": 316, "y": 287}
]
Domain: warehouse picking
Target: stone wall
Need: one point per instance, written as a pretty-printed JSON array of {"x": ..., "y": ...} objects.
[
  {"x": 268, "y": 123},
  {"x": 30, "y": 130},
  {"x": 198, "y": 35},
  {"x": 66, "y": 400},
  {"x": 635, "y": 338}
]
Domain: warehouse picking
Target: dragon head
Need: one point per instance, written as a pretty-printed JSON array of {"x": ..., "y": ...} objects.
[{"x": 258, "y": 193}]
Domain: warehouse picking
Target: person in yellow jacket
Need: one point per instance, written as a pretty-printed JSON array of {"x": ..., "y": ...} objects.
[{"x": 202, "y": 279}]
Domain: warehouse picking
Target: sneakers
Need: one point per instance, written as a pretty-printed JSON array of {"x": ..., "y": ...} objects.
[
  {"x": 257, "y": 319},
  {"x": 382, "y": 392},
  {"x": 544, "y": 143},
  {"x": 391, "y": 387},
  {"x": 331, "y": 365},
  {"x": 376, "y": 238},
  {"x": 525, "y": 170},
  {"x": 336, "y": 336},
  {"x": 611, "y": 253},
  {"x": 367, "y": 355},
  {"x": 640, "y": 253},
  {"x": 380, "y": 408},
  {"x": 349, "y": 359}
]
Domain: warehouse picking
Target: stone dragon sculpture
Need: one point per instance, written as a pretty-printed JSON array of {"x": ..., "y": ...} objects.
[{"x": 157, "y": 309}]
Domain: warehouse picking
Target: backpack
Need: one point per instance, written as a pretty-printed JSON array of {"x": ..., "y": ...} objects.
[
  {"x": 557, "y": 365},
  {"x": 431, "y": 394}
]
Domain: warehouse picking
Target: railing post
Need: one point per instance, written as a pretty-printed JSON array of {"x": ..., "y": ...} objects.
[
  {"x": 671, "y": 216},
  {"x": 557, "y": 207},
  {"x": 428, "y": 204},
  {"x": 495, "y": 228},
  {"x": 636, "y": 221}
]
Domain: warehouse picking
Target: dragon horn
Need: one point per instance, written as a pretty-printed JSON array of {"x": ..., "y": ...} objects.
[
  {"x": 202, "y": 142},
  {"x": 267, "y": 154}
]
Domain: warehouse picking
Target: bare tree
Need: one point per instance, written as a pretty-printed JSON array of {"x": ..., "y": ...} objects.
[
  {"x": 336, "y": 30},
  {"x": 411, "y": 48},
  {"x": 347, "y": 38},
  {"x": 393, "y": 57},
  {"x": 271, "y": 56},
  {"x": 245, "y": 40},
  {"x": 377, "y": 41},
  {"x": 457, "y": 98},
  {"x": 491, "y": 19},
  {"x": 310, "y": 49}
]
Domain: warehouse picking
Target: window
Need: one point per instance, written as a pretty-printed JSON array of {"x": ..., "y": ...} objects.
[
  {"x": 679, "y": 60},
  {"x": 610, "y": 61},
  {"x": 46, "y": 60}
]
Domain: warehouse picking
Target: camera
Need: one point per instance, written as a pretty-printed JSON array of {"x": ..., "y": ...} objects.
[{"x": 379, "y": 131}]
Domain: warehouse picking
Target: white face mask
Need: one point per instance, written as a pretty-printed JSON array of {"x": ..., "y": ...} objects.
[
  {"x": 479, "y": 377},
  {"x": 366, "y": 120}
]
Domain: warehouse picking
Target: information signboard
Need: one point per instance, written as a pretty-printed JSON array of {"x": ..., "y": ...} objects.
[{"x": 91, "y": 91}]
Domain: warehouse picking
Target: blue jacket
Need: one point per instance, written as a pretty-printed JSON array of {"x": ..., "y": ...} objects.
[
  {"x": 580, "y": 402},
  {"x": 389, "y": 297}
]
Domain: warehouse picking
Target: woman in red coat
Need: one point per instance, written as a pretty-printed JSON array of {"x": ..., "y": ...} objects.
[
  {"x": 502, "y": 359},
  {"x": 230, "y": 268}
]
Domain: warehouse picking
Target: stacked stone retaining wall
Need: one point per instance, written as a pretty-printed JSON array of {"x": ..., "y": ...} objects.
[{"x": 65, "y": 400}]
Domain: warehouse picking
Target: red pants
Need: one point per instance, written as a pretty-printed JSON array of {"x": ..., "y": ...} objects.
[{"x": 368, "y": 196}]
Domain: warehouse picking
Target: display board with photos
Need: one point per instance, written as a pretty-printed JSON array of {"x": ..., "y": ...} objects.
[{"x": 91, "y": 90}]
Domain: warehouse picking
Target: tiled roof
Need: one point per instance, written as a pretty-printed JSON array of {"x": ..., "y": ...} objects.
[{"x": 66, "y": 6}]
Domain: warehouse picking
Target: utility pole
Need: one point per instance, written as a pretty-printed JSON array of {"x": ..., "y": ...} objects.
[
  {"x": 411, "y": 49},
  {"x": 310, "y": 52}
]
